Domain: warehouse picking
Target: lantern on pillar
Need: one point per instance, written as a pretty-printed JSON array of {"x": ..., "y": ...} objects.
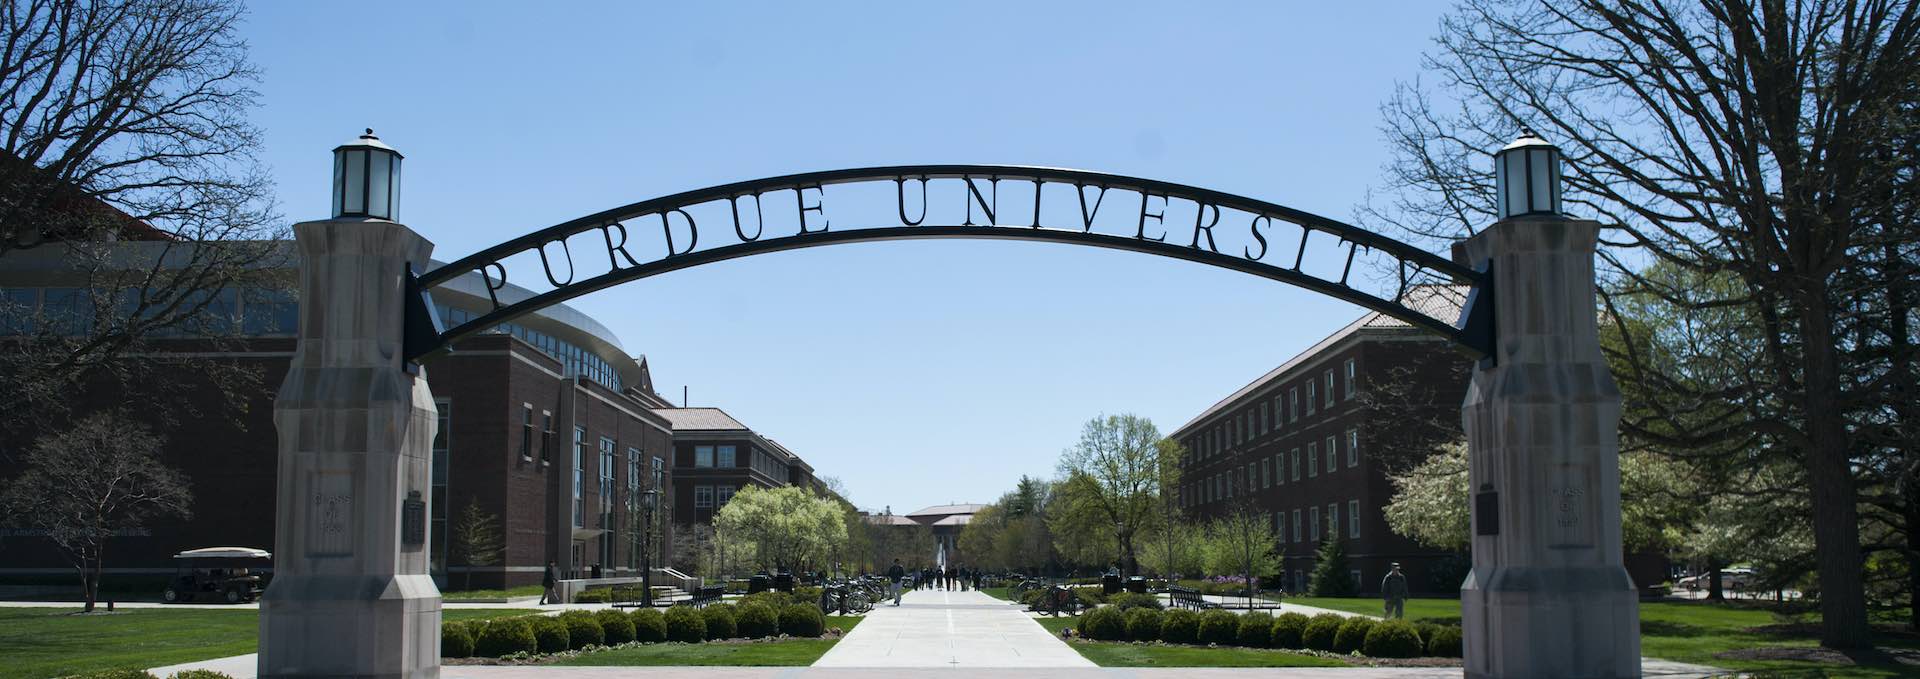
[
  {"x": 366, "y": 179},
  {"x": 1527, "y": 177}
]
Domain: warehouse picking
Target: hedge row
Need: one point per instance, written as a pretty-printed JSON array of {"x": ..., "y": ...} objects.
[
  {"x": 1324, "y": 632},
  {"x": 579, "y": 629},
  {"x": 143, "y": 674}
]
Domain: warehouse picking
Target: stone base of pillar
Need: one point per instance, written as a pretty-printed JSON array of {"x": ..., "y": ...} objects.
[
  {"x": 1576, "y": 623},
  {"x": 349, "y": 626}
]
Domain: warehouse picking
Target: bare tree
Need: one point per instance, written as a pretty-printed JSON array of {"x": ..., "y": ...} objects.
[
  {"x": 474, "y": 539},
  {"x": 127, "y": 163},
  {"x": 98, "y": 480},
  {"x": 1723, "y": 137}
]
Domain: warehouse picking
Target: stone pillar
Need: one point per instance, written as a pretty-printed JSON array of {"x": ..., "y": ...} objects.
[
  {"x": 1548, "y": 595},
  {"x": 351, "y": 596}
]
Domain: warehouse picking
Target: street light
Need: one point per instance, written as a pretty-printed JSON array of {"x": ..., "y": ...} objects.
[
  {"x": 366, "y": 179},
  {"x": 648, "y": 500},
  {"x": 1526, "y": 176}
]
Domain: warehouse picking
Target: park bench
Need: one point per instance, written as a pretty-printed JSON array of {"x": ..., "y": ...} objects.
[
  {"x": 707, "y": 595},
  {"x": 1190, "y": 599}
]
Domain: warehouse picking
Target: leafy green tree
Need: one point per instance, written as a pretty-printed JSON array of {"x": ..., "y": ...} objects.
[
  {"x": 1242, "y": 542},
  {"x": 1175, "y": 549},
  {"x": 786, "y": 526},
  {"x": 1331, "y": 575},
  {"x": 1111, "y": 485}
]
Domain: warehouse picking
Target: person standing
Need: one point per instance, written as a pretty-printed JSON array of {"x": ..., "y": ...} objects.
[
  {"x": 964, "y": 575},
  {"x": 895, "y": 573},
  {"x": 547, "y": 583},
  {"x": 1393, "y": 589}
]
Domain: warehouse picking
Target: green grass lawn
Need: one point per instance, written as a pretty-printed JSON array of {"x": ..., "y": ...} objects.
[
  {"x": 523, "y": 590},
  {"x": 998, "y": 592},
  {"x": 50, "y": 642},
  {"x": 789, "y": 653},
  {"x": 1690, "y": 632},
  {"x": 1115, "y": 654}
]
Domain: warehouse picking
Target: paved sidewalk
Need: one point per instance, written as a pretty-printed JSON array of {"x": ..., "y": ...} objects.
[{"x": 959, "y": 630}]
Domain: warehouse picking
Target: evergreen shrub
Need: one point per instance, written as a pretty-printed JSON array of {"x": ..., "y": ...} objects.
[
  {"x": 720, "y": 622},
  {"x": 1444, "y": 642},
  {"x": 1179, "y": 626},
  {"x": 550, "y": 634},
  {"x": 1287, "y": 628},
  {"x": 802, "y": 620},
  {"x": 1392, "y": 639},
  {"x": 583, "y": 629},
  {"x": 684, "y": 624},
  {"x": 1104, "y": 624},
  {"x": 1143, "y": 624},
  {"x": 756, "y": 620},
  {"x": 456, "y": 641},
  {"x": 617, "y": 626},
  {"x": 1256, "y": 630},
  {"x": 648, "y": 625},
  {"x": 1320, "y": 630},
  {"x": 505, "y": 636},
  {"x": 1219, "y": 627},
  {"x": 1127, "y": 601},
  {"x": 1352, "y": 634}
]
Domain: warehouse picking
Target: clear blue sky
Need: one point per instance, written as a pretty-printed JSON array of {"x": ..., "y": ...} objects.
[{"x": 922, "y": 372}]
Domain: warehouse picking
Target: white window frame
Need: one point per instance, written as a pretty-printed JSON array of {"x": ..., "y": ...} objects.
[
  {"x": 1328, "y": 388},
  {"x": 1353, "y": 447},
  {"x": 703, "y": 497},
  {"x": 1312, "y": 386},
  {"x": 1353, "y": 373},
  {"x": 703, "y": 457},
  {"x": 1353, "y": 518},
  {"x": 1313, "y": 523},
  {"x": 1333, "y": 453},
  {"x": 1293, "y": 404},
  {"x": 1266, "y": 472},
  {"x": 1313, "y": 459},
  {"x": 1296, "y": 525},
  {"x": 1296, "y": 465},
  {"x": 1333, "y": 519}
]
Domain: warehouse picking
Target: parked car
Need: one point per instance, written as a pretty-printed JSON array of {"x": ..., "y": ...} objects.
[
  {"x": 1730, "y": 578},
  {"x": 226, "y": 574}
]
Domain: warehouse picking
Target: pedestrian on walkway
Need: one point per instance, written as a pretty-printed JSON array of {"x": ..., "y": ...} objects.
[
  {"x": 1393, "y": 588},
  {"x": 895, "y": 573},
  {"x": 547, "y": 583},
  {"x": 964, "y": 574}
]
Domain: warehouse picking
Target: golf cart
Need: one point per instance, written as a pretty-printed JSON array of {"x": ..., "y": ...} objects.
[{"x": 229, "y": 574}]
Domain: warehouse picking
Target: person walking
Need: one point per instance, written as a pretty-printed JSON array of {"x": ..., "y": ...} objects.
[
  {"x": 895, "y": 573},
  {"x": 1393, "y": 589},
  {"x": 547, "y": 583},
  {"x": 964, "y": 575}
]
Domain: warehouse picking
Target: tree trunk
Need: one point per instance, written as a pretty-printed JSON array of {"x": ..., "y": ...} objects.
[
  {"x": 90, "y": 584},
  {"x": 1715, "y": 587},
  {"x": 1836, "y": 521}
]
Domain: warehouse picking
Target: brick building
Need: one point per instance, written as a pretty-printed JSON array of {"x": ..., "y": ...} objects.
[
  {"x": 1305, "y": 448},
  {"x": 714, "y": 456}
]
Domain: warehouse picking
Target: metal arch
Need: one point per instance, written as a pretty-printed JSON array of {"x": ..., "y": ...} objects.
[{"x": 1464, "y": 335}]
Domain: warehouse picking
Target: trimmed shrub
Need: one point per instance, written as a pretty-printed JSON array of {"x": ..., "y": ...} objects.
[
  {"x": 1320, "y": 630},
  {"x": 550, "y": 634},
  {"x": 1219, "y": 627},
  {"x": 801, "y": 620},
  {"x": 1104, "y": 624},
  {"x": 456, "y": 641},
  {"x": 583, "y": 629},
  {"x": 720, "y": 624},
  {"x": 754, "y": 621},
  {"x": 1392, "y": 639},
  {"x": 505, "y": 636},
  {"x": 592, "y": 596},
  {"x": 1352, "y": 634},
  {"x": 807, "y": 595},
  {"x": 1179, "y": 626},
  {"x": 1286, "y": 630},
  {"x": 684, "y": 624},
  {"x": 117, "y": 674},
  {"x": 617, "y": 626},
  {"x": 648, "y": 625},
  {"x": 1256, "y": 629},
  {"x": 1143, "y": 624},
  {"x": 1127, "y": 601},
  {"x": 199, "y": 674},
  {"x": 1090, "y": 595},
  {"x": 1444, "y": 642},
  {"x": 1033, "y": 598}
]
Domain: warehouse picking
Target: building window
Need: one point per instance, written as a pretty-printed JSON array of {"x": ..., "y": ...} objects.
[
  {"x": 526, "y": 431},
  {"x": 1353, "y": 518},
  {"x": 725, "y": 494},
  {"x": 726, "y": 456},
  {"x": 703, "y": 456},
  {"x": 1266, "y": 472},
  {"x": 1263, "y": 417},
  {"x": 1279, "y": 416},
  {"x": 1296, "y": 525},
  {"x": 579, "y": 477},
  {"x": 1355, "y": 573},
  {"x": 703, "y": 497},
  {"x": 1329, "y": 388},
  {"x": 1353, "y": 447},
  {"x": 1313, "y": 460},
  {"x": 1352, "y": 376},
  {"x": 1333, "y": 520},
  {"x": 437, "y": 499},
  {"x": 1252, "y": 477},
  {"x": 1313, "y": 523},
  {"x": 546, "y": 437},
  {"x": 1311, "y": 388},
  {"x": 608, "y": 462},
  {"x": 1293, "y": 404},
  {"x": 1333, "y": 454},
  {"x": 1280, "y": 469},
  {"x": 1296, "y": 464}
]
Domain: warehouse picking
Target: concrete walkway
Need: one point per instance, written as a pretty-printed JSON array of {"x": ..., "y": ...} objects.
[{"x": 959, "y": 630}]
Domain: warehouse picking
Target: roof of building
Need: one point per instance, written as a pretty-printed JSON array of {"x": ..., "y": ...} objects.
[
  {"x": 940, "y": 510},
  {"x": 700, "y": 419},
  {"x": 955, "y": 520},
  {"x": 890, "y": 520},
  {"x": 1438, "y": 301}
]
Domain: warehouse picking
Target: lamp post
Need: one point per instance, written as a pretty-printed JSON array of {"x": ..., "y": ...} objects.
[{"x": 366, "y": 179}]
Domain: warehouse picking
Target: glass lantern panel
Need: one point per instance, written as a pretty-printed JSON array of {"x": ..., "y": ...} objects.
[
  {"x": 355, "y": 182},
  {"x": 1540, "y": 163},
  {"x": 1515, "y": 200},
  {"x": 339, "y": 166},
  {"x": 379, "y": 173},
  {"x": 393, "y": 202}
]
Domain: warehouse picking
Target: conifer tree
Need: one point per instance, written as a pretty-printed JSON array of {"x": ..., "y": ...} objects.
[{"x": 1330, "y": 573}]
